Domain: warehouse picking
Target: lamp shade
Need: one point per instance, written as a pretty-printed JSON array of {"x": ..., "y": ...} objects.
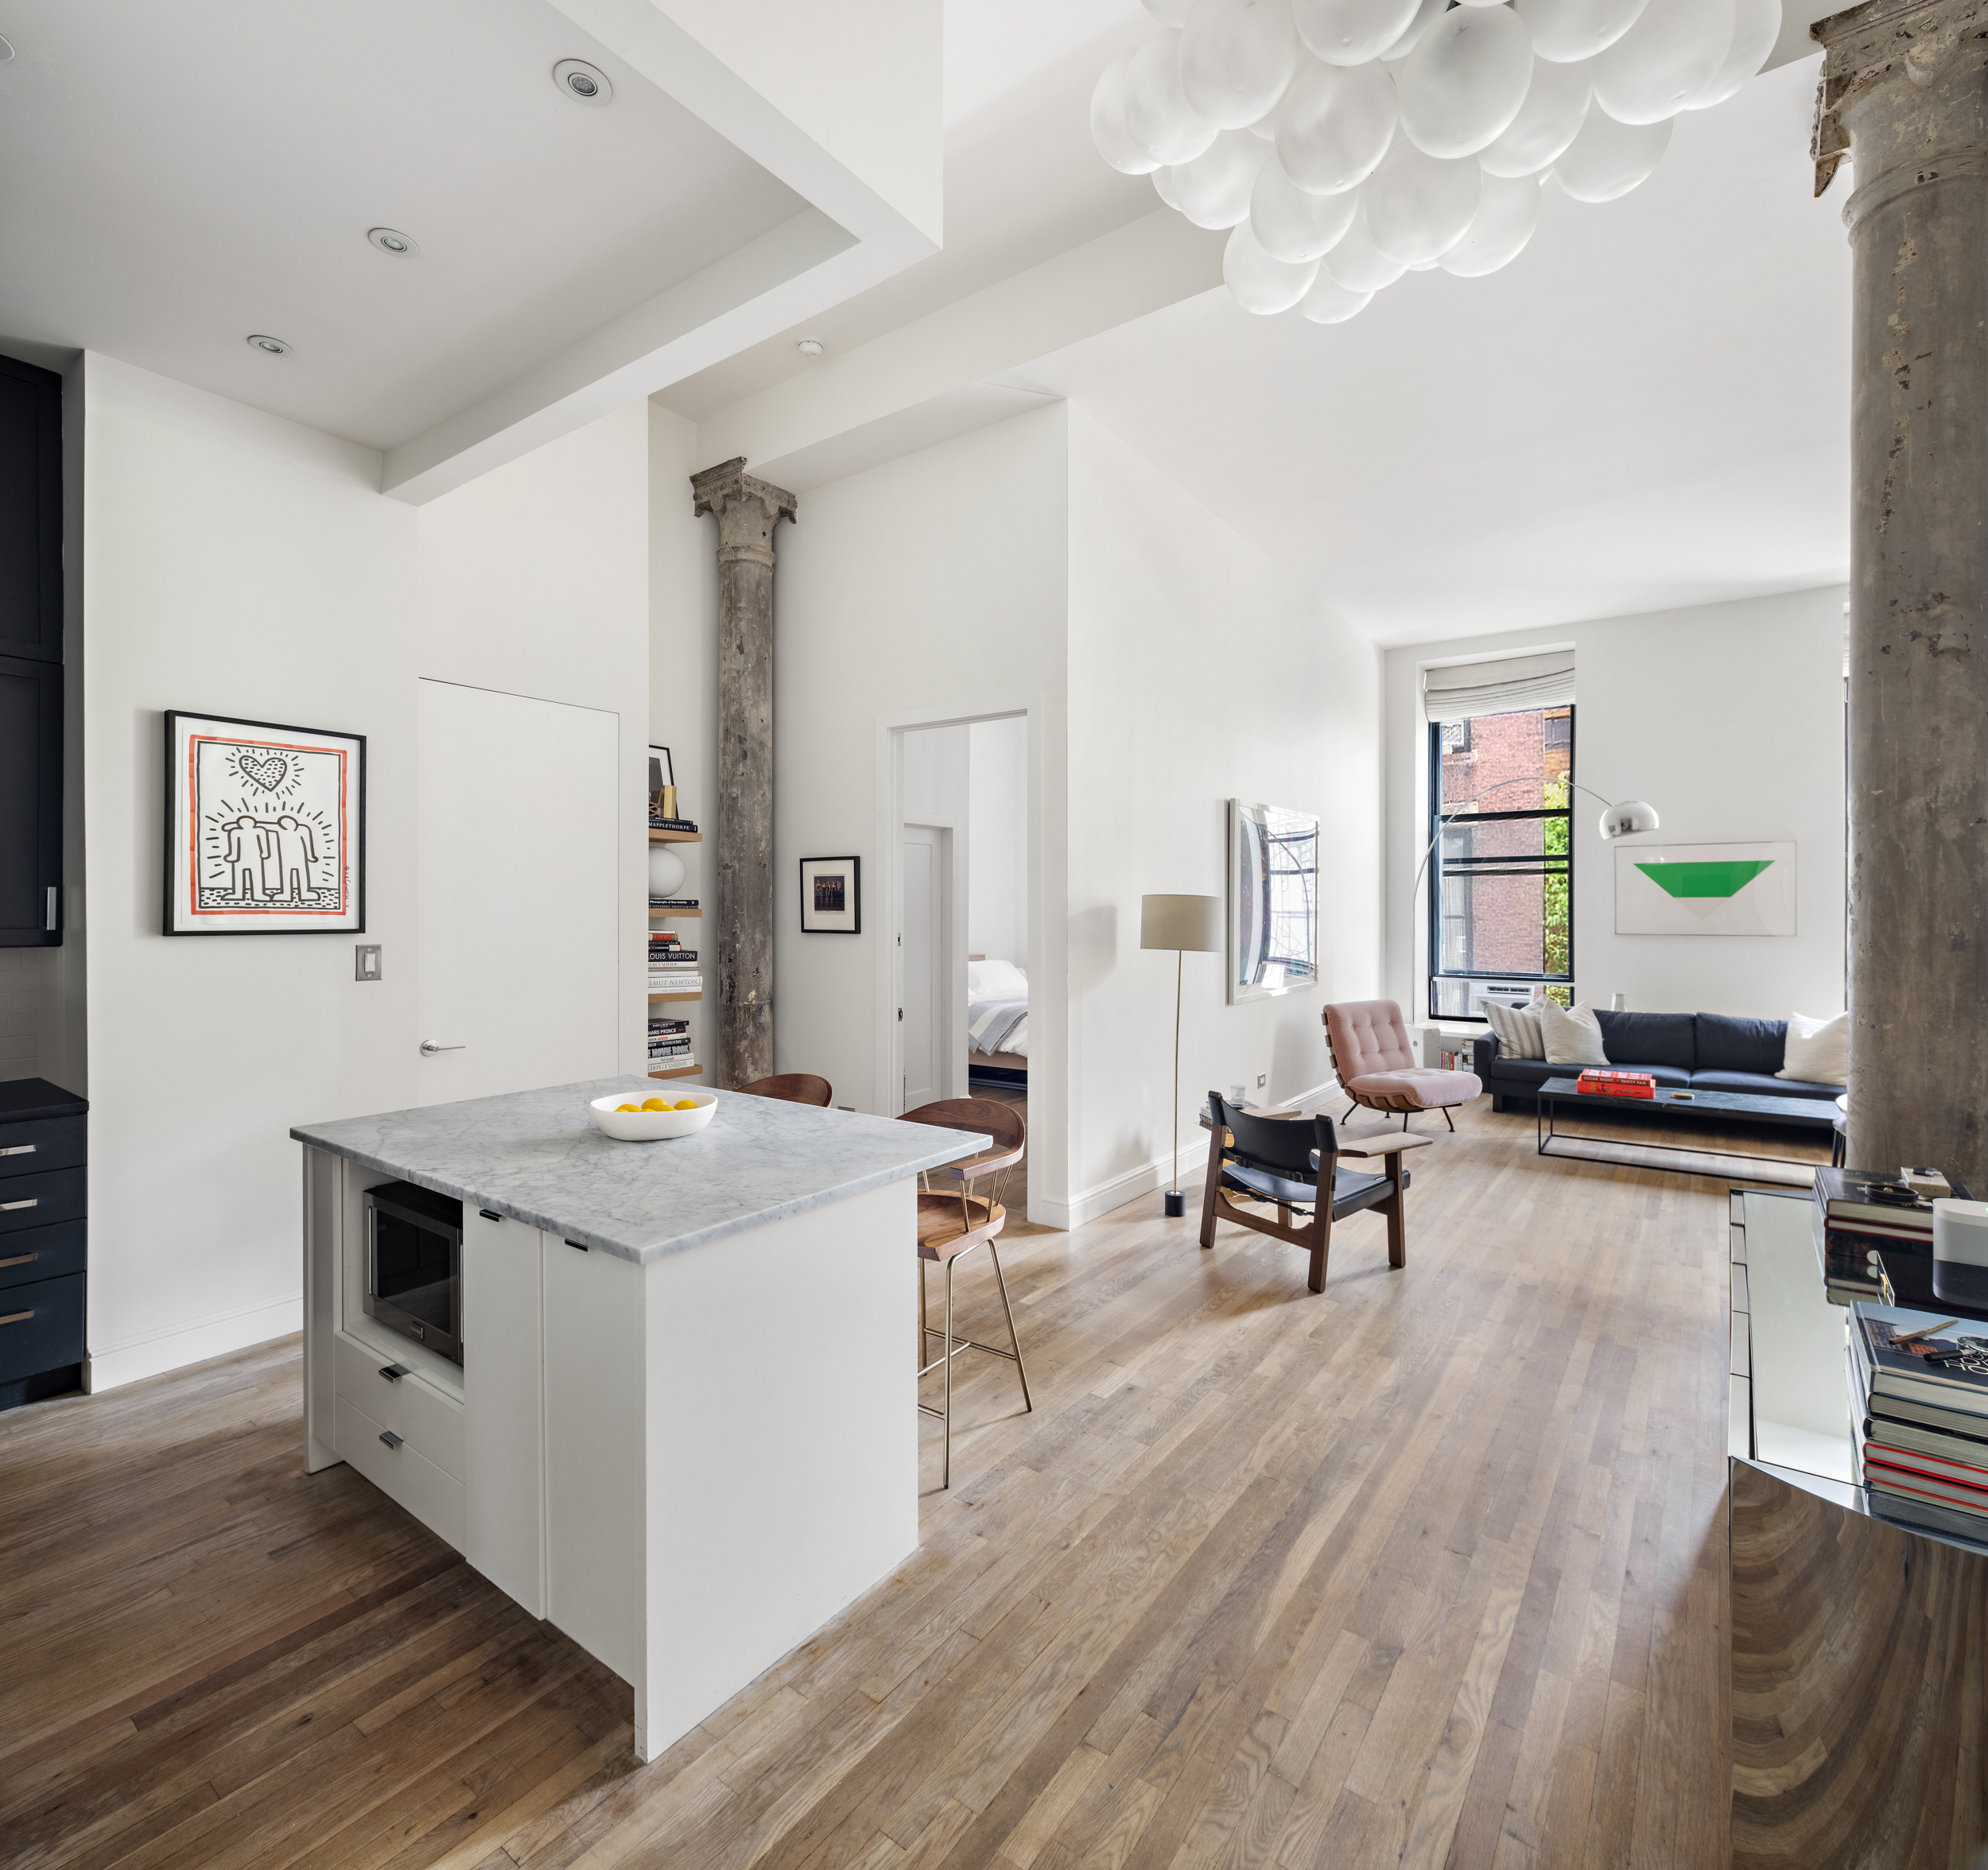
[
  {"x": 1189, "y": 922},
  {"x": 1628, "y": 818}
]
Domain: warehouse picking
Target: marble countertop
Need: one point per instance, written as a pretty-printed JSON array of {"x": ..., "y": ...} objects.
[{"x": 535, "y": 1156}]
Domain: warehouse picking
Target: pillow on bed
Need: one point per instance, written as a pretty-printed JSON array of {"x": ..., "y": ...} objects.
[{"x": 995, "y": 981}]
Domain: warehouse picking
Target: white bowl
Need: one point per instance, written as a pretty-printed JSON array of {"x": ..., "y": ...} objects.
[{"x": 650, "y": 1125}]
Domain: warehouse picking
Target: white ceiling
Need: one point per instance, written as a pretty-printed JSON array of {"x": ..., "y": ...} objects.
[{"x": 174, "y": 178}]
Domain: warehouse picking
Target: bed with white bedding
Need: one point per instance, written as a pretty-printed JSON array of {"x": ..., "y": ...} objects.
[{"x": 996, "y": 1020}]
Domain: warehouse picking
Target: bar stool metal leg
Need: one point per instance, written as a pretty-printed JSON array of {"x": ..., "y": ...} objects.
[
  {"x": 946, "y": 1469},
  {"x": 1014, "y": 1337}
]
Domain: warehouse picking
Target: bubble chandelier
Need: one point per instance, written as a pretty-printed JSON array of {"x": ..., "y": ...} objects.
[{"x": 1345, "y": 142}]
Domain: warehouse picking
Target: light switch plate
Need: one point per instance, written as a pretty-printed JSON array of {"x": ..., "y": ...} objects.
[
  {"x": 366, "y": 961},
  {"x": 1263, "y": 1078}
]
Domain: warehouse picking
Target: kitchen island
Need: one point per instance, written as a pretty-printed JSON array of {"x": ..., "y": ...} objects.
[{"x": 683, "y": 1427}]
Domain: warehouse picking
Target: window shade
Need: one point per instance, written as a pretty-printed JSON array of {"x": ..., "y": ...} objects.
[{"x": 1461, "y": 689}]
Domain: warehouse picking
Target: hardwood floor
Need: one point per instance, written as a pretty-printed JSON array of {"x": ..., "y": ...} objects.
[{"x": 1430, "y": 1570}]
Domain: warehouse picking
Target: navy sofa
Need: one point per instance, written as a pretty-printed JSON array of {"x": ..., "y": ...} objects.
[{"x": 1687, "y": 1051}]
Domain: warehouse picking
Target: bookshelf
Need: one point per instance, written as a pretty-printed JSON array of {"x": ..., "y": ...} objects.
[{"x": 658, "y": 917}]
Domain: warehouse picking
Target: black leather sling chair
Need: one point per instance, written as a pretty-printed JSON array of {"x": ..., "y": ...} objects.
[{"x": 1284, "y": 1160}]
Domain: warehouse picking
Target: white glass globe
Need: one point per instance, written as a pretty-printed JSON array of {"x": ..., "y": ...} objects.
[
  {"x": 1236, "y": 58},
  {"x": 1426, "y": 16},
  {"x": 1556, "y": 103},
  {"x": 1291, "y": 224},
  {"x": 666, "y": 870},
  {"x": 1259, "y": 283},
  {"x": 1507, "y": 213},
  {"x": 1358, "y": 265},
  {"x": 1330, "y": 303},
  {"x": 1169, "y": 12},
  {"x": 1462, "y": 86},
  {"x": 1566, "y": 31},
  {"x": 1663, "y": 61},
  {"x": 1757, "y": 24},
  {"x": 1335, "y": 125},
  {"x": 1213, "y": 190},
  {"x": 1416, "y": 206},
  {"x": 1114, "y": 141},
  {"x": 1163, "y": 187},
  {"x": 1608, "y": 159},
  {"x": 1350, "y": 31},
  {"x": 1158, "y": 116}
]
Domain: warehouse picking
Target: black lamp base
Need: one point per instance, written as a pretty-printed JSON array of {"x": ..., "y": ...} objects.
[{"x": 1176, "y": 1204}]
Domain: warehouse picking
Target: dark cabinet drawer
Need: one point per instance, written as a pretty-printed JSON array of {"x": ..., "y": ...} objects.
[
  {"x": 42, "y": 1200},
  {"x": 44, "y": 1253},
  {"x": 48, "y": 1143},
  {"x": 40, "y": 1326}
]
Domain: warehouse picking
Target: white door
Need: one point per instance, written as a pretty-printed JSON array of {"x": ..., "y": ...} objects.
[
  {"x": 518, "y": 893},
  {"x": 921, "y": 964}
]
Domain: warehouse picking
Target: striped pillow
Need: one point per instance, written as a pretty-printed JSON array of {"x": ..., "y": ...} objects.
[{"x": 1518, "y": 1031}]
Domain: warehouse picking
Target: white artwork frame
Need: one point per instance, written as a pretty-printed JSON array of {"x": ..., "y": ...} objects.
[
  {"x": 1253, "y": 971},
  {"x": 1703, "y": 891}
]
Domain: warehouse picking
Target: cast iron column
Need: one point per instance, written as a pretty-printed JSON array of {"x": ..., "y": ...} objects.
[
  {"x": 742, "y": 930},
  {"x": 1905, "y": 95}
]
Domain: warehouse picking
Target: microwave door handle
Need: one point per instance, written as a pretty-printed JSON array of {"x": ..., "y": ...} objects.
[{"x": 372, "y": 1268}]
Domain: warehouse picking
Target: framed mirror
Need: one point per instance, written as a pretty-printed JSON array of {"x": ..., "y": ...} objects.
[{"x": 1273, "y": 900}]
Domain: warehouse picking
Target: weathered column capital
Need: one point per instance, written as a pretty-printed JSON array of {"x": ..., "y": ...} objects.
[
  {"x": 748, "y": 509},
  {"x": 1900, "y": 93}
]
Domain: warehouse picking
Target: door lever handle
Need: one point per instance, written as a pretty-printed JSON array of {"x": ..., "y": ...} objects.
[{"x": 430, "y": 1048}]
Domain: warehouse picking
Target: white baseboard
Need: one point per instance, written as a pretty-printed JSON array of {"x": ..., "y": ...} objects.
[{"x": 112, "y": 1368}]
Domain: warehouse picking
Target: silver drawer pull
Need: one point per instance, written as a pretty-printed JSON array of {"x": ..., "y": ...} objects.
[
  {"x": 18, "y": 1149},
  {"x": 15, "y": 1317},
  {"x": 19, "y": 1260},
  {"x": 393, "y": 1372},
  {"x": 9, "y": 1207},
  {"x": 389, "y": 1438}
]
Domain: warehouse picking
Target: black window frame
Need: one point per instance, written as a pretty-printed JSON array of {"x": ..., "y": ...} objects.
[{"x": 1504, "y": 867}]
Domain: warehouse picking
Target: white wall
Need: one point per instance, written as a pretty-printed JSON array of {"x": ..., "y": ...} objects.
[
  {"x": 1726, "y": 717},
  {"x": 1199, "y": 672},
  {"x": 997, "y": 834},
  {"x": 241, "y": 564}
]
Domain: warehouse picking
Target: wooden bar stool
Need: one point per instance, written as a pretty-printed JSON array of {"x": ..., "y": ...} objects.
[
  {"x": 952, "y": 1223},
  {"x": 791, "y": 1088}
]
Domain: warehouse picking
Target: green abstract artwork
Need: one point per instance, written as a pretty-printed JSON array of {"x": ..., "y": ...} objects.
[
  {"x": 1721, "y": 880},
  {"x": 1705, "y": 888}
]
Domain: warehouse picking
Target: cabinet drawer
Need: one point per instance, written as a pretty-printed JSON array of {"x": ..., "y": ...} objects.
[
  {"x": 42, "y": 1199},
  {"x": 43, "y": 1253},
  {"x": 47, "y": 1142},
  {"x": 426, "y": 1420},
  {"x": 40, "y": 1326},
  {"x": 403, "y": 1474}
]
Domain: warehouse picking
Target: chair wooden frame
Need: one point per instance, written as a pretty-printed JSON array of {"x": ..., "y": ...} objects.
[
  {"x": 1284, "y": 1154},
  {"x": 791, "y": 1088},
  {"x": 953, "y": 1222}
]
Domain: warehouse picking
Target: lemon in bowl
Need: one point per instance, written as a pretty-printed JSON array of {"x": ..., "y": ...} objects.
[{"x": 654, "y": 1119}]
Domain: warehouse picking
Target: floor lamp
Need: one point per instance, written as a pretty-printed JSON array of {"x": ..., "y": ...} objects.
[{"x": 1187, "y": 925}]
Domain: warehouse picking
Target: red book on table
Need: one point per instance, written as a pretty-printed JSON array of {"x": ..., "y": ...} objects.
[{"x": 1615, "y": 1084}]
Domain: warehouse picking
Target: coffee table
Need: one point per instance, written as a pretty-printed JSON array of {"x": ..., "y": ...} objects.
[{"x": 1726, "y": 1107}]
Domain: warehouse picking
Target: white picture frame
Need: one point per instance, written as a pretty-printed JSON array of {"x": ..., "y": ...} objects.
[
  {"x": 1272, "y": 923},
  {"x": 1745, "y": 889}
]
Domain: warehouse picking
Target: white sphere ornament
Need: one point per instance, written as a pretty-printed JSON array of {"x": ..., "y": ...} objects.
[
  {"x": 1757, "y": 24},
  {"x": 1213, "y": 190},
  {"x": 1507, "y": 211},
  {"x": 1163, "y": 187},
  {"x": 1291, "y": 224},
  {"x": 1663, "y": 61},
  {"x": 666, "y": 870},
  {"x": 1426, "y": 16},
  {"x": 1608, "y": 159},
  {"x": 1417, "y": 206},
  {"x": 1463, "y": 85},
  {"x": 1566, "y": 31},
  {"x": 1350, "y": 31},
  {"x": 1259, "y": 283},
  {"x": 1358, "y": 265},
  {"x": 1158, "y": 116},
  {"x": 1236, "y": 58},
  {"x": 1169, "y": 12},
  {"x": 1114, "y": 141},
  {"x": 1330, "y": 303},
  {"x": 1555, "y": 106},
  {"x": 1335, "y": 125}
]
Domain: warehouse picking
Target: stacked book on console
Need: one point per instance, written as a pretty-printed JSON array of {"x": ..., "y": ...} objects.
[
  {"x": 1862, "y": 1212},
  {"x": 1594, "y": 1082},
  {"x": 1919, "y": 1414},
  {"x": 673, "y": 968}
]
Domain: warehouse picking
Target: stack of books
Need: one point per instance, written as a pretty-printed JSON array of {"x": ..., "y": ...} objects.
[
  {"x": 672, "y": 902},
  {"x": 669, "y": 1045},
  {"x": 1594, "y": 1082},
  {"x": 1920, "y": 1416},
  {"x": 673, "y": 968},
  {"x": 1861, "y": 1213},
  {"x": 656, "y": 822}
]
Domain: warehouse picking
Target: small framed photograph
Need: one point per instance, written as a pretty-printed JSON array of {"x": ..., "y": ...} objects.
[
  {"x": 264, "y": 829},
  {"x": 661, "y": 772},
  {"x": 831, "y": 896}
]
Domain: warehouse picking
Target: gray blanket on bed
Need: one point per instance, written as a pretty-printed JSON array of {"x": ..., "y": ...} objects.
[{"x": 990, "y": 1023}]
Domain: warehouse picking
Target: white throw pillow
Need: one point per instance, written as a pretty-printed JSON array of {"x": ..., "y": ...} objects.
[
  {"x": 995, "y": 981},
  {"x": 1571, "y": 1037},
  {"x": 1816, "y": 1051},
  {"x": 1518, "y": 1031}
]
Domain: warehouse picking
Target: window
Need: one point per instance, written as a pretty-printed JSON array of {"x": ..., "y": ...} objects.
[{"x": 1501, "y": 874}]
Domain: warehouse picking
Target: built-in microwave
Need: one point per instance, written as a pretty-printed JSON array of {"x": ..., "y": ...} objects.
[{"x": 415, "y": 1265}]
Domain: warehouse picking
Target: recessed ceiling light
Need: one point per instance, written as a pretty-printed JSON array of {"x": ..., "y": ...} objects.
[
  {"x": 274, "y": 346},
  {"x": 390, "y": 240},
  {"x": 810, "y": 346},
  {"x": 584, "y": 84}
]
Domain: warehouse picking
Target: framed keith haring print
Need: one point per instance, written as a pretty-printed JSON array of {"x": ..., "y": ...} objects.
[{"x": 264, "y": 829}]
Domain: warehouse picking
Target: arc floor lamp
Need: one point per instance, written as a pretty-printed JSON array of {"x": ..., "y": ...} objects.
[{"x": 1188, "y": 925}]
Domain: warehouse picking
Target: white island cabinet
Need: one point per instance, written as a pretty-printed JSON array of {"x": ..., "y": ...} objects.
[{"x": 685, "y": 1428}]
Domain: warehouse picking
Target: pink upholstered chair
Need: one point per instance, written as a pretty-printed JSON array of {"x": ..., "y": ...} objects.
[{"x": 1376, "y": 1064}]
